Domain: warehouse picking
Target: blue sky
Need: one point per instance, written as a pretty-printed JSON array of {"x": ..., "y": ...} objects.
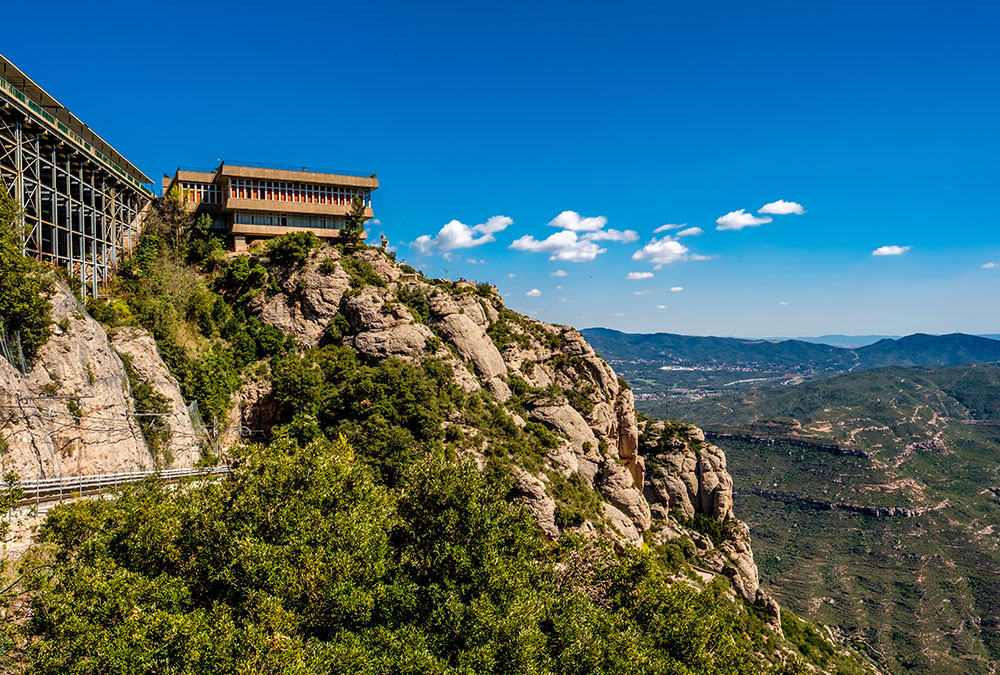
[{"x": 879, "y": 119}]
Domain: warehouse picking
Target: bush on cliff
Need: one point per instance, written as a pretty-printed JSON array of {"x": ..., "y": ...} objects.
[{"x": 24, "y": 310}]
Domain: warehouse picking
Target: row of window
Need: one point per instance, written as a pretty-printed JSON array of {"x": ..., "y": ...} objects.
[
  {"x": 204, "y": 193},
  {"x": 281, "y": 220},
  {"x": 304, "y": 193}
]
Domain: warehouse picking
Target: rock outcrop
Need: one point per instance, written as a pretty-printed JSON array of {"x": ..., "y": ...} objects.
[
  {"x": 651, "y": 488},
  {"x": 72, "y": 413}
]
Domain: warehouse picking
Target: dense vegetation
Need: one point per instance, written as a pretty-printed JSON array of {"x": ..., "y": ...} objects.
[
  {"x": 25, "y": 314},
  {"x": 304, "y": 561},
  {"x": 181, "y": 288}
]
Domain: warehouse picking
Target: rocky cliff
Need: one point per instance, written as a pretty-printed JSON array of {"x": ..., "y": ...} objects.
[
  {"x": 655, "y": 482},
  {"x": 73, "y": 412}
]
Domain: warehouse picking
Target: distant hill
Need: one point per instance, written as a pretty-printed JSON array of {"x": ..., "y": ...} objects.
[
  {"x": 930, "y": 350},
  {"x": 691, "y": 350},
  {"x": 799, "y": 355},
  {"x": 838, "y": 340},
  {"x": 880, "y": 485}
]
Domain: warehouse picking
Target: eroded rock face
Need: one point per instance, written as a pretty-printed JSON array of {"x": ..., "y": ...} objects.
[
  {"x": 184, "y": 447},
  {"x": 650, "y": 484},
  {"x": 690, "y": 477},
  {"x": 531, "y": 491},
  {"x": 310, "y": 300},
  {"x": 73, "y": 413},
  {"x": 616, "y": 486}
]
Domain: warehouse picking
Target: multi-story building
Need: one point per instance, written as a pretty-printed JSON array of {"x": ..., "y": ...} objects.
[
  {"x": 249, "y": 202},
  {"x": 80, "y": 201}
]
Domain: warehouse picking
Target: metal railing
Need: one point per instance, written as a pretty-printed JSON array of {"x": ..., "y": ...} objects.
[
  {"x": 57, "y": 489},
  {"x": 66, "y": 131},
  {"x": 307, "y": 169}
]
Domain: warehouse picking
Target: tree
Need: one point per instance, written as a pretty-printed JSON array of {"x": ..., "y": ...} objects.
[
  {"x": 24, "y": 309},
  {"x": 172, "y": 221},
  {"x": 354, "y": 226}
]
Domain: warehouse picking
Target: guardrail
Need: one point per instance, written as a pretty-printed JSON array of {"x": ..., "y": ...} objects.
[
  {"x": 56, "y": 489},
  {"x": 62, "y": 128}
]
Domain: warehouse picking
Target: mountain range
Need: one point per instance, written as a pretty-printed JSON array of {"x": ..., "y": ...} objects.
[{"x": 873, "y": 499}]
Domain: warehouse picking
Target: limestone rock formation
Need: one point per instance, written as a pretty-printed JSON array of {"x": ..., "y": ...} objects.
[
  {"x": 184, "y": 446},
  {"x": 652, "y": 480},
  {"x": 73, "y": 413}
]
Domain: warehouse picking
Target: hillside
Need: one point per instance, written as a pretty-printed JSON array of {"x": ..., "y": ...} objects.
[
  {"x": 664, "y": 365},
  {"x": 438, "y": 485},
  {"x": 874, "y": 498}
]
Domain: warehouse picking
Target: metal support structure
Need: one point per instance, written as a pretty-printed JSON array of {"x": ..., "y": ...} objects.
[{"x": 78, "y": 208}]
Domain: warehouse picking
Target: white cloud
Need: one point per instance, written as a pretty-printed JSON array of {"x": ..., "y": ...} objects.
[
  {"x": 668, "y": 226},
  {"x": 612, "y": 235},
  {"x": 990, "y": 265},
  {"x": 559, "y": 273},
  {"x": 619, "y": 314},
  {"x": 511, "y": 275},
  {"x": 891, "y": 250},
  {"x": 559, "y": 287},
  {"x": 783, "y": 303},
  {"x": 634, "y": 276},
  {"x": 455, "y": 235},
  {"x": 571, "y": 220},
  {"x": 646, "y": 292},
  {"x": 661, "y": 306},
  {"x": 690, "y": 232},
  {"x": 662, "y": 251},
  {"x": 676, "y": 289},
  {"x": 782, "y": 208},
  {"x": 564, "y": 245},
  {"x": 533, "y": 293},
  {"x": 737, "y": 220},
  {"x": 373, "y": 222}
]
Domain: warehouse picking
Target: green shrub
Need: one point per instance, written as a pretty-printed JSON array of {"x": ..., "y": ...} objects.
[
  {"x": 416, "y": 301},
  {"x": 24, "y": 306},
  {"x": 292, "y": 249},
  {"x": 361, "y": 273},
  {"x": 150, "y": 406}
]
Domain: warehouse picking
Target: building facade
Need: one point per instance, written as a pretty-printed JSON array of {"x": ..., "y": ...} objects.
[
  {"x": 81, "y": 202},
  {"x": 252, "y": 202}
]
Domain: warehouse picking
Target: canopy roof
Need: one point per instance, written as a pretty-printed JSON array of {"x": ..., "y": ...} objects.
[{"x": 18, "y": 80}]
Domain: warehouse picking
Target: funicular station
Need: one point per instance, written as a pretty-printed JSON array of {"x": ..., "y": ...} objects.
[{"x": 81, "y": 202}]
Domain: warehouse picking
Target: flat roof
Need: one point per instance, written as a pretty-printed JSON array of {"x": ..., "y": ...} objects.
[{"x": 16, "y": 78}]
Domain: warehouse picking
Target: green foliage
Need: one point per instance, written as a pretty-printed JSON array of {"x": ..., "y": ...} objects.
[
  {"x": 73, "y": 405},
  {"x": 24, "y": 285},
  {"x": 243, "y": 278},
  {"x": 576, "y": 501},
  {"x": 150, "y": 405},
  {"x": 354, "y": 223},
  {"x": 328, "y": 266},
  {"x": 171, "y": 222},
  {"x": 708, "y": 526},
  {"x": 416, "y": 301},
  {"x": 292, "y": 249},
  {"x": 303, "y": 562},
  {"x": 361, "y": 273},
  {"x": 10, "y": 496},
  {"x": 204, "y": 244}
]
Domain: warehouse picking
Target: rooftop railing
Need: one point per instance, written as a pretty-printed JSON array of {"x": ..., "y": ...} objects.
[
  {"x": 66, "y": 131},
  {"x": 306, "y": 169}
]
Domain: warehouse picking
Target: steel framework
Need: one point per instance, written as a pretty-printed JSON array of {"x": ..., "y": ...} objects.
[{"x": 79, "y": 209}]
